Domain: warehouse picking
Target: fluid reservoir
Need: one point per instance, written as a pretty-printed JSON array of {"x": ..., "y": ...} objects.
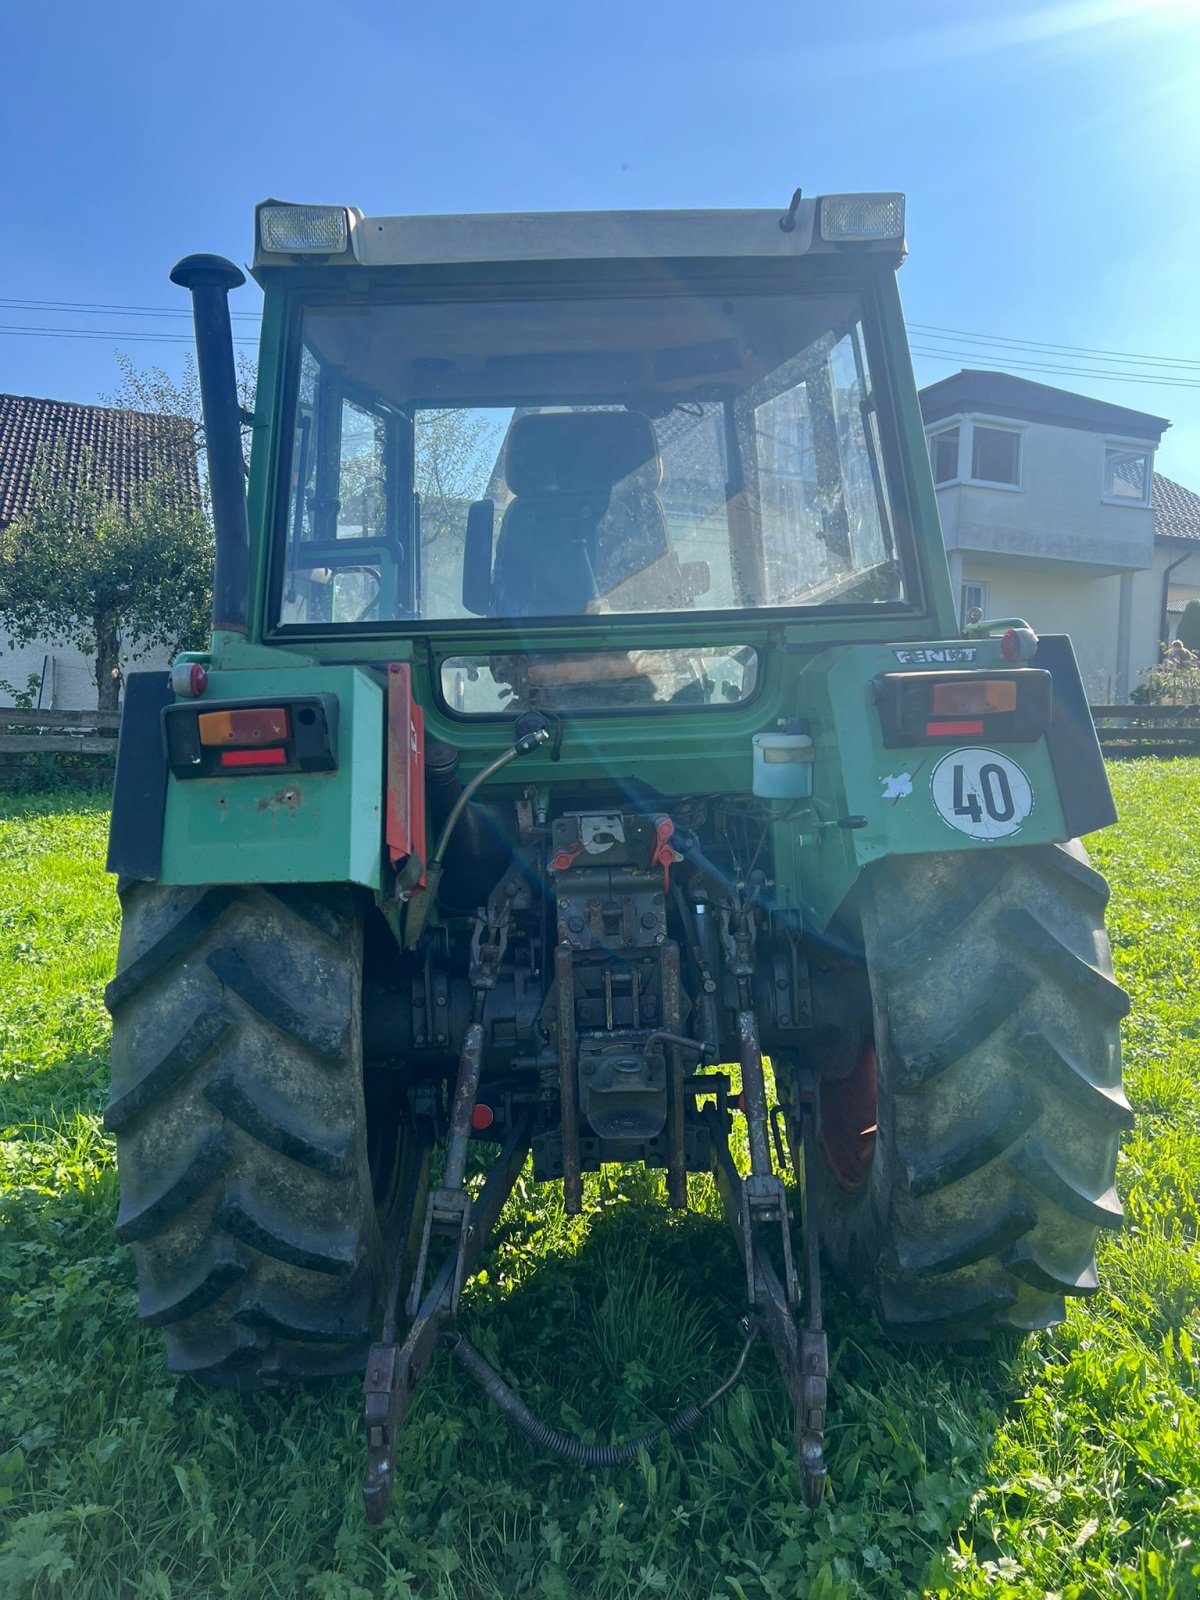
[{"x": 783, "y": 763}]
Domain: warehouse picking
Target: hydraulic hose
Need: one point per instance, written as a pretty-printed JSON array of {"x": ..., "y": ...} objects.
[
  {"x": 419, "y": 905},
  {"x": 574, "y": 1450}
]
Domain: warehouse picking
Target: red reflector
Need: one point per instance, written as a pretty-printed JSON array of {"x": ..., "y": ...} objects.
[
  {"x": 1010, "y": 645},
  {"x": 951, "y": 729},
  {"x": 482, "y": 1117},
  {"x": 253, "y": 758}
]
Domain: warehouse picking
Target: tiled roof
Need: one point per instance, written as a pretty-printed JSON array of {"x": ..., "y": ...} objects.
[
  {"x": 1176, "y": 510},
  {"x": 128, "y": 447}
]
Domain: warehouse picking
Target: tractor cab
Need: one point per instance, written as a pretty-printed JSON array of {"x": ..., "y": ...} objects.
[{"x": 525, "y": 425}]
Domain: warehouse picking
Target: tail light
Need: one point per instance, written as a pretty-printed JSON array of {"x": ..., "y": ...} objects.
[
  {"x": 973, "y": 697},
  {"x": 253, "y": 726},
  {"x": 292, "y": 733},
  {"x": 930, "y": 707}
]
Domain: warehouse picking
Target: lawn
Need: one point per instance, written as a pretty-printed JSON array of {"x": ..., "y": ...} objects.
[{"x": 1068, "y": 1465}]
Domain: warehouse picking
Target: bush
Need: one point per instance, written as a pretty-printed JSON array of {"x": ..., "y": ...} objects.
[{"x": 1188, "y": 632}]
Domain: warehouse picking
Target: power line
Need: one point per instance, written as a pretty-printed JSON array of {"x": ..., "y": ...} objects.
[
  {"x": 953, "y": 358},
  {"x": 1175, "y": 371},
  {"x": 95, "y": 308},
  {"x": 121, "y": 334},
  {"x": 932, "y": 330},
  {"x": 923, "y": 329}
]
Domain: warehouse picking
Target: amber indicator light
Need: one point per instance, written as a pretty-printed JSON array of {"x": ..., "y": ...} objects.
[
  {"x": 973, "y": 697},
  {"x": 255, "y": 725}
]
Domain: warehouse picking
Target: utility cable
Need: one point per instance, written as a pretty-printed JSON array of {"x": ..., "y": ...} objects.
[
  {"x": 934, "y": 330},
  {"x": 13, "y": 331},
  {"x": 102, "y": 308},
  {"x": 955, "y": 358}
]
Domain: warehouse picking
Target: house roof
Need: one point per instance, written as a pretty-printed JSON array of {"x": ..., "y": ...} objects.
[
  {"x": 1176, "y": 510},
  {"x": 1004, "y": 395},
  {"x": 130, "y": 448}
]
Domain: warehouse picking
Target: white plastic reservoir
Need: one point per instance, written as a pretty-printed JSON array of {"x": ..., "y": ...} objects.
[{"x": 783, "y": 764}]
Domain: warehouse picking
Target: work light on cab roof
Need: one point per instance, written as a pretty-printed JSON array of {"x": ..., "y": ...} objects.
[{"x": 587, "y": 713}]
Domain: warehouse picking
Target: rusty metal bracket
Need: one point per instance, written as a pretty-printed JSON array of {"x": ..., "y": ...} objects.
[{"x": 393, "y": 1371}]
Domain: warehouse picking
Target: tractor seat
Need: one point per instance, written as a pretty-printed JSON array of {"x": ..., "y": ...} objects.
[{"x": 585, "y": 518}]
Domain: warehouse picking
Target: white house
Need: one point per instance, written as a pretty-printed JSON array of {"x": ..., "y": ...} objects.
[{"x": 1049, "y": 513}]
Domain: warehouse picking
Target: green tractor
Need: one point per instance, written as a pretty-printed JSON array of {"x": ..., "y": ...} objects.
[{"x": 587, "y": 711}]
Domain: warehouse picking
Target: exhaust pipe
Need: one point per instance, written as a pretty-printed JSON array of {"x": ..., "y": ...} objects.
[{"x": 209, "y": 280}]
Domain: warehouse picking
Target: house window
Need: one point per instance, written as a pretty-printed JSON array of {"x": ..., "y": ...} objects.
[
  {"x": 943, "y": 454},
  {"x": 1127, "y": 475},
  {"x": 996, "y": 455},
  {"x": 974, "y": 598}
]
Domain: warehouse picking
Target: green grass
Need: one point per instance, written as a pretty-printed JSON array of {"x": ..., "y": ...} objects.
[{"x": 1067, "y": 1466}]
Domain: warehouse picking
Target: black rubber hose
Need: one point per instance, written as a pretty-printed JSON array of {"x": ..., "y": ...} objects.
[{"x": 574, "y": 1450}]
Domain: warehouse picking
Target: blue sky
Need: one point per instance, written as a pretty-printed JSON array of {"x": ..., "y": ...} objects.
[{"x": 1049, "y": 152}]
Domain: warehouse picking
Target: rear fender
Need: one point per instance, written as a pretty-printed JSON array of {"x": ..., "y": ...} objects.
[
  {"x": 871, "y": 802},
  {"x": 297, "y": 827}
]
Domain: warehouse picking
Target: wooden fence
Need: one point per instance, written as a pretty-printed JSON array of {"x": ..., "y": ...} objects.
[
  {"x": 1148, "y": 730},
  {"x": 28, "y": 736},
  {"x": 78, "y": 733}
]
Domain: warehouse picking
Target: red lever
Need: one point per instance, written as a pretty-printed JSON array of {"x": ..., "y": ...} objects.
[
  {"x": 663, "y": 854},
  {"x": 565, "y": 858}
]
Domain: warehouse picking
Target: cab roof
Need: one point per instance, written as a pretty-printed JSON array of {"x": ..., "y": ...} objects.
[{"x": 570, "y": 235}]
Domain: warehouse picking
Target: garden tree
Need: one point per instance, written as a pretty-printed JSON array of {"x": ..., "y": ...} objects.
[
  {"x": 453, "y": 455},
  {"x": 1188, "y": 632},
  {"x": 84, "y": 567},
  {"x": 454, "y": 449},
  {"x": 154, "y": 391},
  {"x": 455, "y": 458}
]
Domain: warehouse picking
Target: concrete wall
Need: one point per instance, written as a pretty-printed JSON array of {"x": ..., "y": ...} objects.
[
  {"x": 1058, "y": 512},
  {"x": 1053, "y": 602},
  {"x": 70, "y": 685},
  {"x": 1089, "y": 609}
]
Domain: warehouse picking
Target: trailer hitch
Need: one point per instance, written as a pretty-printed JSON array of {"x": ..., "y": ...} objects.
[
  {"x": 393, "y": 1371},
  {"x": 755, "y": 1207}
]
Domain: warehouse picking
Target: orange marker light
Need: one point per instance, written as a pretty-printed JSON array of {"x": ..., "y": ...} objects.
[
  {"x": 973, "y": 697},
  {"x": 256, "y": 725}
]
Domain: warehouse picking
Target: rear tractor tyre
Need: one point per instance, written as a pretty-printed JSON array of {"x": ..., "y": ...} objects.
[
  {"x": 260, "y": 1208},
  {"x": 993, "y": 1083}
]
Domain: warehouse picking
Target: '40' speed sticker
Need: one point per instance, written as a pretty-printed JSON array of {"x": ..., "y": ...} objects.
[{"x": 981, "y": 793}]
